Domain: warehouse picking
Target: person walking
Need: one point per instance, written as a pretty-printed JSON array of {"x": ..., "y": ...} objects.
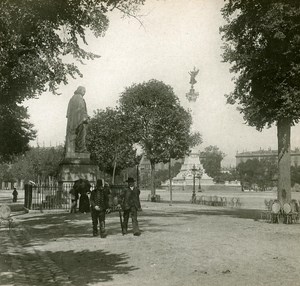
[
  {"x": 130, "y": 203},
  {"x": 15, "y": 195},
  {"x": 99, "y": 207}
]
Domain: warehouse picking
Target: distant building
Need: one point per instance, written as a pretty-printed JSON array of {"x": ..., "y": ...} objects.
[{"x": 260, "y": 154}]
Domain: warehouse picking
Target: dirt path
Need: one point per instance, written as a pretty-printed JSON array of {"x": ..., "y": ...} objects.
[{"x": 180, "y": 245}]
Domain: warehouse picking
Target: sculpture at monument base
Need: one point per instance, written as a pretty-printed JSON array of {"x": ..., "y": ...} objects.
[{"x": 184, "y": 179}]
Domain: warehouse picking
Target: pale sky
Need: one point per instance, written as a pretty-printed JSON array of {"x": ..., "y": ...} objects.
[{"x": 176, "y": 36}]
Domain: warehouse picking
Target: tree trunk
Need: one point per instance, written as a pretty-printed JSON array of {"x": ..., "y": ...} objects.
[
  {"x": 153, "y": 198},
  {"x": 114, "y": 172},
  {"x": 137, "y": 176},
  {"x": 170, "y": 179},
  {"x": 284, "y": 160}
]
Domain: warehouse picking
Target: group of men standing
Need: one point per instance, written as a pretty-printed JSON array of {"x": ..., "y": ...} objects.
[{"x": 128, "y": 201}]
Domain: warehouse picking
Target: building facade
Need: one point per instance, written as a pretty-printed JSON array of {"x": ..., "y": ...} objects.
[{"x": 261, "y": 154}]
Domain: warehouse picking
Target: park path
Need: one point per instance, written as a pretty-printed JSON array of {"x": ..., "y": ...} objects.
[
  {"x": 26, "y": 264},
  {"x": 180, "y": 245}
]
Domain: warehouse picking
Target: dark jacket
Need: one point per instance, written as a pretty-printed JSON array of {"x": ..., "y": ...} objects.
[
  {"x": 130, "y": 198},
  {"x": 100, "y": 197}
]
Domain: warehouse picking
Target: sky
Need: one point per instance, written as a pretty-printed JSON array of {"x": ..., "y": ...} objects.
[{"x": 175, "y": 36}]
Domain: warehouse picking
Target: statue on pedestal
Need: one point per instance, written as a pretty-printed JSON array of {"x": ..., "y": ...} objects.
[
  {"x": 77, "y": 123},
  {"x": 192, "y": 95},
  {"x": 77, "y": 164},
  {"x": 193, "y": 75}
]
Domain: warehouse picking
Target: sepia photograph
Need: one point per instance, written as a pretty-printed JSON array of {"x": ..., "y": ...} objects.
[{"x": 149, "y": 142}]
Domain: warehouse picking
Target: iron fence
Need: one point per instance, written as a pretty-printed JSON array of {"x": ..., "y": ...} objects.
[
  {"x": 49, "y": 197},
  {"x": 39, "y": 197}
]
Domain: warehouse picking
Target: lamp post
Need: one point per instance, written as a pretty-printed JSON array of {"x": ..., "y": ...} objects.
[
  {"x": 184, "y": 182},
  {"x": 194, "y": 170},
  {"x": 199, "y": 175}
]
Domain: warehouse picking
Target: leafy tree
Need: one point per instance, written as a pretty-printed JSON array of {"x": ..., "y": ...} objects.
[
  {"x": 110, "y": 143},
  {"x": 16, "y": 131},
  {"x": 261, "y": 173},
  {"x": 262, "y": 44},
  {"x": 38, "y": 164},
  {"x": 164, "y": 175},
  {"x": 161, "y": 126},
  {"x": 229, "y": 176},
  {"x": 37, "y": 36},
  {"x": 211, "y": 159},
  {"x": 5, "y": 173}
]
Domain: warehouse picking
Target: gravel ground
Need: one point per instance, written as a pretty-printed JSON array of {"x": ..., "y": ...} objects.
[{"x": 180, "y": 245}]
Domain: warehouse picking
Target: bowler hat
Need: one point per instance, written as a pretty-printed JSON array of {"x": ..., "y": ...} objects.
[
  {"x": 130, "y": 180},
  {"x": 99, "y": 183}
]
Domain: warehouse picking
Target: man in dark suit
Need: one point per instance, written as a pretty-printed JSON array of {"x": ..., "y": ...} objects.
[
  {"x": 130, "y": 202},
  {"x": 99, "y": 207}
]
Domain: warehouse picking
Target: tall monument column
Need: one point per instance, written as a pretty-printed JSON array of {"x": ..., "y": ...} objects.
[
  {"x": 77, "y": 163},
  {"x": 192, "y": 170}
]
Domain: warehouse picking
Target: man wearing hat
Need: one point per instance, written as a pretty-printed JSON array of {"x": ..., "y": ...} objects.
[
  {"x": 130, "y": 201},
  {"x": 99, "y": 207}
]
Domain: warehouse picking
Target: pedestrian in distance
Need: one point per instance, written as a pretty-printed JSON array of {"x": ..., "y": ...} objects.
[
  {"x": 130, "y": 203},
  {"x": 99, "y": 208},
  {"x": 15, "y": 195}
]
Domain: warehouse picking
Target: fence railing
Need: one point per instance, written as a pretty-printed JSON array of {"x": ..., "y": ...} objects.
[{"x": 41, "y": 197}]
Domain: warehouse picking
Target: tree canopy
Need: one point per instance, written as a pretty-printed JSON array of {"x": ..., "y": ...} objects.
[
  {"x": 38, "y": 39},
  {"x": 160, "y": 124},
  {"x": 211, "y": 159},
  {"x": 110, "y": 143},
  {"x": 16, "y": 131},
  {"x": 260, "y": 173},
  {"x": 37, "y": 35},
  {"x": 262, "y": 41},
  {"x": 262, "y": 44},
  {"x": 37, "y": 164}
]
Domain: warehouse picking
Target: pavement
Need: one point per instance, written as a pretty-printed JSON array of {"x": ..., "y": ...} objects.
[
  {"x": 181, "y": 245},
  {"x": 48, "y": 248}
]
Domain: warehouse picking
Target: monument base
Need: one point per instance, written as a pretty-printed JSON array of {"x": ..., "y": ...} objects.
[
  {"x": 77, "y": 166},
  {"x": 185, "y": 178}
]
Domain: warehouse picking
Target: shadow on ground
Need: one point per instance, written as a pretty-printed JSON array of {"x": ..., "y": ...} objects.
[
  {"x": 98, "y": 266},
  {"x": 49, "y": 226},
  {"x": 214, "y": 211},
  {"x": 32, "y": 269}
]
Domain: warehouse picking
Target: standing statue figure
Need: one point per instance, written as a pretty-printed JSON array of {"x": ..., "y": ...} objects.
[
  {"x": 77, "y": 123},
  {"x": 193, "y": 75}
]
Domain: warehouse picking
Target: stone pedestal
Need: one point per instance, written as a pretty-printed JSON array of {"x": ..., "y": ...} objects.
[
  {"x": 77, "y": 166},
  {"x": 184, "y": 178}
]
